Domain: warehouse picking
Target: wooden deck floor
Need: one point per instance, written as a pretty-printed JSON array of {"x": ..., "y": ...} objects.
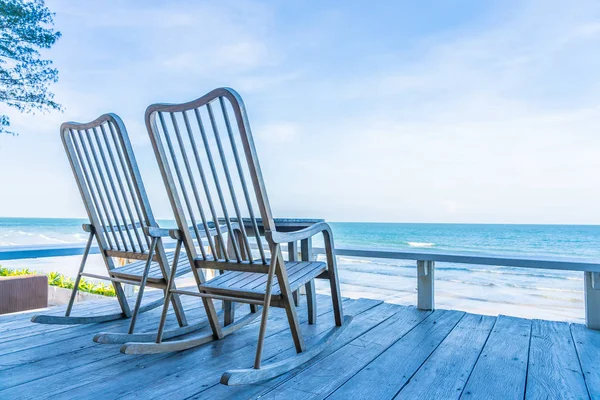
[{"x": 388, "y": 351}]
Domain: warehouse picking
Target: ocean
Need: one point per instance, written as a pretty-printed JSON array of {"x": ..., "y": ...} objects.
[{"x": 521, "y": 292}]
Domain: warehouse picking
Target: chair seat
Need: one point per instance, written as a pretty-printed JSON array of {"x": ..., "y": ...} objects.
[
  {"x": 135, "y": 270},
  {"x": 253, "y": 284}
]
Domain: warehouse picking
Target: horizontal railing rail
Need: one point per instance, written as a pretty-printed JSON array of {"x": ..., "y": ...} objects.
[
  {"x": 51, "y": 250},
  {"x": 425, "y": 263},
  {"x": 426, "y": 260},
  {"x": 540, "y": 262}
]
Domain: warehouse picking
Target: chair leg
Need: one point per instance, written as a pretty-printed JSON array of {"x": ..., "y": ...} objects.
[
  {"x": 293, "y": 256},
  {"x": 266, "y": 305},
  {"x": 228, "y": 313},
  {"x": 228, "y": 306},
  {"x": 292, "y": 317},
  {"x": 336, "y": 298},
  {"x": 78, "y": 278},
  {"x": 178, "y": 309},
  {"x": 163, "y": 316},
  {"x": 168, "y": 294},
  {"x": 334, "y": 283},
  {"x": 290, "y": 309},
  {"x": 138, "y": 301},
  {"x": 311, "y": 302},
  {"x": 262, "y": 332}
]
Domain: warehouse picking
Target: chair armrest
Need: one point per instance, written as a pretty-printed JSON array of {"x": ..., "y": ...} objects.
[
  {"x": 286, "y": 237},
  {"x": 88, "y": 228},
  {"x": 177, "y": 235},
  {"x": 156, "y": 232}
]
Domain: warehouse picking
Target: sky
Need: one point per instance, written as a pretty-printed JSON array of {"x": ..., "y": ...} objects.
[{"x": 392, "y": 111}]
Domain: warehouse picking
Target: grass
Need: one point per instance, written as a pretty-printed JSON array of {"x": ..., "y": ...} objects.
[{"x": 59, "y": 280}]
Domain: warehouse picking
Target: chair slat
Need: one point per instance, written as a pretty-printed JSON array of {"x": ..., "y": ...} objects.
[
  {"x": 236, "y": 207},
  {"x": 110, "y": 185},
  {"x": 206, "y": 173},
  {"x": 204, "y": 185},
  {"x": 95, "y": 189},
  {"x": 217, "y": 184},
  {"x": 128, "y": 178},
  {"x": 180, "y": 178},
  {"x": 192, "y": 181},
  {"x": 105, "y": 190},
  {"x": 113, "y": 188},
  {"x": 106, "y": 172},
  {"x": 244, "y": 186},
  {"x": 206, "y": 188},
  {"x": 123, "y": 192}
]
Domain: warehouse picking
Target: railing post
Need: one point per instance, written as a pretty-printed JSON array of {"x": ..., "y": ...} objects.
[
  {"x": 425, "y": 285},
  {"x": 306, "y": 254},
  {"x": 592, "y": 299},
  {"x": 306, "y": 251},
  {"x": 293, "y": 256}
]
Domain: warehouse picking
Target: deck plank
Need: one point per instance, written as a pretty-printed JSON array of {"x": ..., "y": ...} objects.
[
  {"x": 554, "y": 371},
  {"x": 444, "y": 375},
  {"x": 587, "y": 343},
  {"x": 361, "y": 324},
  {"x": 387, "y": 374},
  {"x": 127, "y": 373},
  {"x": 193, "y": 380},
  {"x": 20, "y": 349},
  {"x": 501, "y": 371},
  {"x": 76, "y": 342},
  {"x": 54, "y": 360},
  {"x": 26, "y": 328},
  {"x": 335, "y": 369},
  {"x": 381, "y": 354}
]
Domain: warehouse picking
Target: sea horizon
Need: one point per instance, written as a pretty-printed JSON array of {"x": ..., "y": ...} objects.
[{"x": 348, "y": 222}]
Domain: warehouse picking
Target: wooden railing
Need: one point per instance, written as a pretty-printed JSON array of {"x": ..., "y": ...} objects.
[{"x": 425, "y": 263}]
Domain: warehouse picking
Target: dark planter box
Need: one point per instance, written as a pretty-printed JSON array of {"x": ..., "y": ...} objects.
[{"x": 20, "y": 293}]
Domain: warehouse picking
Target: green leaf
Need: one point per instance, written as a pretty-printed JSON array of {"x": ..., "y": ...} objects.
[{"x": 25, "y": 28}]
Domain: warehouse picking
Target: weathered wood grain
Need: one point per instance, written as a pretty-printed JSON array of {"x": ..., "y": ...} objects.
[
  {"x": 54, "y": 360},
  {"x": 201, "y": 366},
  {"x": 500, "y": 372},
  {"x": 79, "y": 338},
  {"x": 387, "y": 374},
  {"x": 424, "y": 358},
  {"x": 587, "y": 343},
  {"x": 97, "y": 371},
  {"x": 280, "y": 348},
  {"x": 445, "y": 373},
  {"x": 554, "y": 371},
  {"x": 361, "y": 324},
  {"x": 334, "y": 369}
]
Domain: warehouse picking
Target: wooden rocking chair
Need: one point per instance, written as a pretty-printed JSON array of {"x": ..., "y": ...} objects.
[
  {"x": 121, "y": 221},
  {"x": 206, "y": 164}
]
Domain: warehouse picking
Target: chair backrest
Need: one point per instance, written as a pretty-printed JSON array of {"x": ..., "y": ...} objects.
[
  {"x": 110, "y": 184},
  {"x": 207, "y": 159}
]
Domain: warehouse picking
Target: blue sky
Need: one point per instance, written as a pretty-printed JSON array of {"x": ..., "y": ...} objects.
[{"x": 436, "y": 111}]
